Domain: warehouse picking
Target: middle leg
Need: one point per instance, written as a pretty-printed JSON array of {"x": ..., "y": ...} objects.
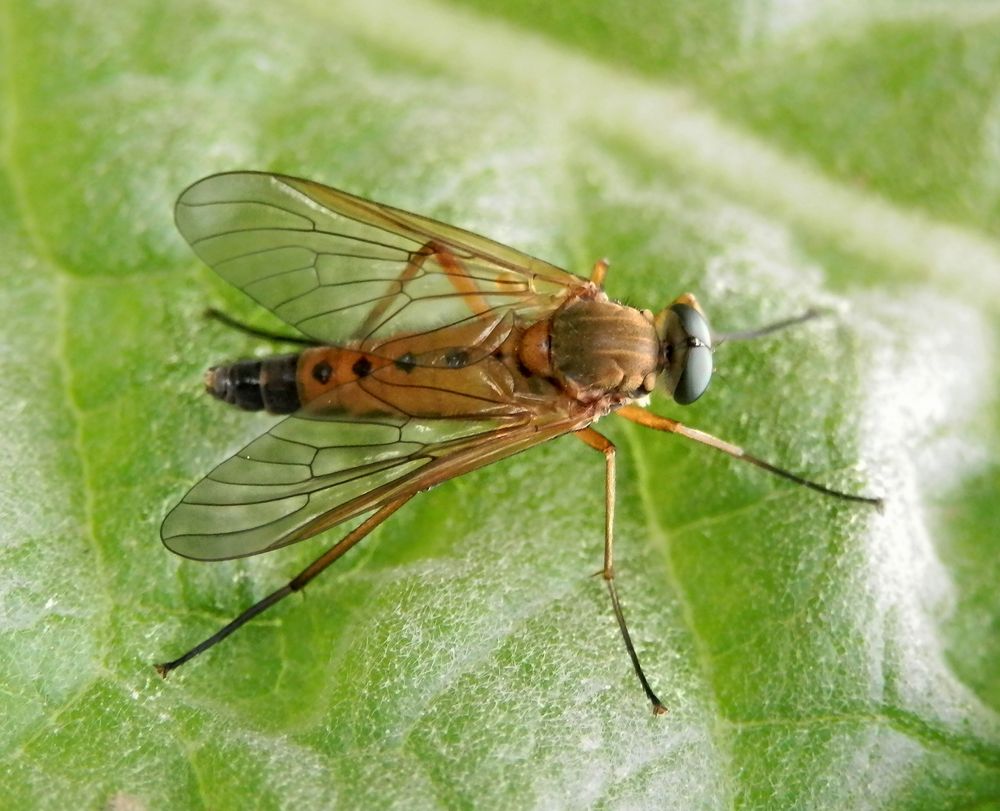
[{"x": 601, "y": 443}]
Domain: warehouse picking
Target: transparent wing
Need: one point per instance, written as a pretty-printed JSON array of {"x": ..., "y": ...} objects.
[
  {"x": 307, "y": 474},
  {"x": 341, "y": 268}
]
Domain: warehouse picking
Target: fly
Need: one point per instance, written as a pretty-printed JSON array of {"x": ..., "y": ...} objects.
[{"x": 430, "y": 352}]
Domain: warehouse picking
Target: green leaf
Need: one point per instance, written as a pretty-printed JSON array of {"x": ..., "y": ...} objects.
[{"x": 814, "y": 654}]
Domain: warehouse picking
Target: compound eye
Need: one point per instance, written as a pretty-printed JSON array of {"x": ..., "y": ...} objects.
[
  {"x": 691, "y": 346},
  {"x": 696, "y": 375}
]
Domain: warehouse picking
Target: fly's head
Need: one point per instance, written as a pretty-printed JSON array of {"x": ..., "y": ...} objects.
[{"x": 685, "y": 349}]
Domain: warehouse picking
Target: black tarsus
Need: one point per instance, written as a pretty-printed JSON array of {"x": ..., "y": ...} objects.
[
  {"x": 296, "y": 584},
  {"x": 229, "y": 321},
  {"x": 659, "y": 708}
]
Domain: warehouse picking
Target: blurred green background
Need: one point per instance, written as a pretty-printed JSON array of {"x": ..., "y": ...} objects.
[{"x": 767, "y": 156}]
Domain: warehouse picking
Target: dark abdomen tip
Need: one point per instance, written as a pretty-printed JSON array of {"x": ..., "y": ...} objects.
[{"x": 254, "y": 385}]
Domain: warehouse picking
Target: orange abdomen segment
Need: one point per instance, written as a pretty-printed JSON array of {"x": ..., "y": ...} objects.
[
  {"x": 441, "y": 384},
  {"x": 329, "y": 374}
]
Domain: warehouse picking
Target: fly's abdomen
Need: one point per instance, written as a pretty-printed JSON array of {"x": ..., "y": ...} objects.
[{"x": 255, "y": 385}]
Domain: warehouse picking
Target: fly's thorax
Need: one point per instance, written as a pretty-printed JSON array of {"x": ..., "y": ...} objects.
[
  {"x": 534, "y": 350},
  {"x": 600, "y": 348}
]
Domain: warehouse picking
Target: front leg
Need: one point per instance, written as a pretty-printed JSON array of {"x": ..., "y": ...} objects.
[{"x": 640, "y": 415}]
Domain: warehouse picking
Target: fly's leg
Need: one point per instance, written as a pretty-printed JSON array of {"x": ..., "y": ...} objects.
[
  {"x": 221, "y": 317},
  {"x": 454, "y": 270},
  {"x": 601, "y": 443},
  {"x": 297, "y": 583},
  {"x": 649, "y": 420},
  {"x": 599, "y": 271}
]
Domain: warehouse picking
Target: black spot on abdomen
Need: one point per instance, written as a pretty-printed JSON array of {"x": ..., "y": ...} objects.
[
  {"x": 362, "y": 367},
  {"x": 456, "y": 358},
  {"x": 321, "y": 372},
  {"x": 405, "y": 362}
]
